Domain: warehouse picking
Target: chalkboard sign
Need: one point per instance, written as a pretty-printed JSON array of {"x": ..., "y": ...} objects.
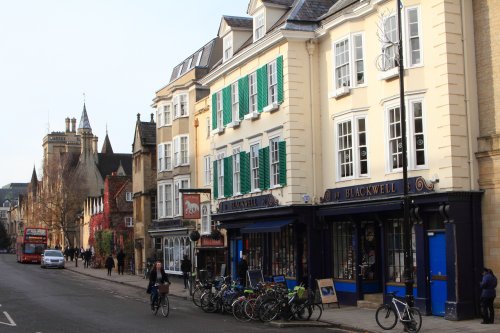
[{"x": 254, "y": 277}]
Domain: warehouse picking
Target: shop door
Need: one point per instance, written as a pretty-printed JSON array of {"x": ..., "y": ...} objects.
[
  {"x": 437, "y": 272},
  {"x": 370, "y": 258},
  {"x": 236, "y": 254}
]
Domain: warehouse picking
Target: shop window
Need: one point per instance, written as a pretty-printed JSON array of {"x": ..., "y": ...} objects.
[
  {"x": 395, "y": 253},
  {"x": 343, "y": 251},
  {"x": 368, "y": 251},
  {"x": 283, "y": 253},
  {"x": 255, "y": 251},
  {"x": 174, "y": 250}
]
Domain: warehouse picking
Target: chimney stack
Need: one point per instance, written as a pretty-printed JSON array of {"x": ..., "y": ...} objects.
[
  {"x": 67, "y": 125},
  {"x": 73, "y": 125}
]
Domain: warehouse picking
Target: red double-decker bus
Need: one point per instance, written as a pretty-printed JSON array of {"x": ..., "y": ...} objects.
[{"x": 30, "y": 246}]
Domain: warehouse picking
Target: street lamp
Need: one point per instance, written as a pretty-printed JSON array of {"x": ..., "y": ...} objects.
[{"x": 408, "y": 257}]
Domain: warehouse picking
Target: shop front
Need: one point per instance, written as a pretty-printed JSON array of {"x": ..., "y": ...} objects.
[
  {"x": 274, "y": 239},
  {"x": 363, "y": 238},
  {"x": 211, "y": 256},
  {"x": 172, "y": 242}
]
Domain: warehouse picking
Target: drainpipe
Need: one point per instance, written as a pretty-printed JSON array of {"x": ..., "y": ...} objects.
[
  {"x": 311, "y": 46},
  {"x": 470, "y": 150}
]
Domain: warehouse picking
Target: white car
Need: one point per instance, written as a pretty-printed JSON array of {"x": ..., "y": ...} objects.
[{"x": 52, "y": 258}]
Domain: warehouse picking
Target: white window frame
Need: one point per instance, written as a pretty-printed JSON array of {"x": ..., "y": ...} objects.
[
  {"x": 159, "y": 117},
  {"x": 181, "y": 150},
  {"x": 409, "y": 58},
  {"x": 352, "y": 60},
  {"x": 168, "y": 208},
  {"x": 165, "y": 199},
  {"x": 228, "y": 47},
  {"x": 179, "y": 183},
  {"x": 235, "y": 101},
  {"x": 236, "y": 171},
  {"x": 272, "y": 83},
  {"x": 190, "y": 62},
  {"x": 167, "y": 114},
  {"x": 252, "y": 92},
  {"x": 206, "y": 223},
  {"x": 220, "y": 123},
  {"x": 128, "y": 196},
  {"x": 207, "y": 165},
  {"x": 129, "y": 222},
  {"x": 167, "y": 159},
  {"x": 220, "y": 173},
  {"x": 198, "y": 61},
  {"x": 274, "y": 161},
  {"x": 259, "y": 26},
  {"x": 390, "y": 42},
  {"x": 254, "y": 166},
  {"x": 356, "y": 148},
  {"x": 411, "y": 135},
  {"x": 161, "y": 157},
  {"x": 180, "y": 102},
  {"x": 180, "y": 70}
]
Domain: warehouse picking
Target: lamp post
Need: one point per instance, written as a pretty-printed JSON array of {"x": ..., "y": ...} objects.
[{"x": 408, "y": 257}]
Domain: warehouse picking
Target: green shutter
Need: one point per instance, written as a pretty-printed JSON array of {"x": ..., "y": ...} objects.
[
  {"x": 279, "y": 74},
  {"x": 228, "y": 176},
  {"x": 214, "y": 111},
  {"x": 264, "y": 168},
  {"x": 215, "y": 185},
  {"x": 282, "y": 157},
  {"x": 243, "y": 96},
  {"x": 226, "y": 105},
  {"x": 262, "y": 88},
  {"x": 245, "y": 172}
]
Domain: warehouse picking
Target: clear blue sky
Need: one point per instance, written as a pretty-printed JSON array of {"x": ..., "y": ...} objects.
[{"x": 117, "y": 52}]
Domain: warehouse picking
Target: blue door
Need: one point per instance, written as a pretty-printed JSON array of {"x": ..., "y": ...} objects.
[
  {"x": 237, "y": 251},
  {"x": 437, "y": 272}
]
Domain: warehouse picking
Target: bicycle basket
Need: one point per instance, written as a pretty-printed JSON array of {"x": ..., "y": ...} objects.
[
  {"x": 301, "y": 292},
  {"x": 164, "y": 288}
]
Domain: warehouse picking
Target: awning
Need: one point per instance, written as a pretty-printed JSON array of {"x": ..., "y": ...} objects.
[{"x": 266, "y": 226}]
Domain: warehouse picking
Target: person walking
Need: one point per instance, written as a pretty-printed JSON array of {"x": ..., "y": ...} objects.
[
  {"x": 488, "y": 294},
  {"x": 156, "y": 277},
  {"x": 120, "y": 257},
  {"x": 186, "y": 269},
  {"x": 242, "y": 270},
  {"x": 110, "y": 264},
  {"x": 87, "y": 257}
]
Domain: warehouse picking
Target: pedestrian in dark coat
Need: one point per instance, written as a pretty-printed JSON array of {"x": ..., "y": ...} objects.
[
  {"x": 120, "y": 257},
  {"x": 488, "y": 294},
  {"x": 87, "y": 257},
  {"x": 110, "y": 264},
  {"x": 186, "y": 269},
  {"x": 242, "y": 270}
]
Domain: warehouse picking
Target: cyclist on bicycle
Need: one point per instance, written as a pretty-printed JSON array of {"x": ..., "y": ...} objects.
[{"x": 156, "y": 277}]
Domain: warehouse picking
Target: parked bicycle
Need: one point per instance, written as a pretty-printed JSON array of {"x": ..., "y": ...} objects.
[
  {"x": 161, "y": 303},
  {"x": 387, "y": 315}
]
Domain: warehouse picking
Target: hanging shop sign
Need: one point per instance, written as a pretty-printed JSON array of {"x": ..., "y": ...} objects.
[
  {"x": 381, "y": 189},
  {"x": 261, "y": 201},
  {"x": 190, "y": 206}
]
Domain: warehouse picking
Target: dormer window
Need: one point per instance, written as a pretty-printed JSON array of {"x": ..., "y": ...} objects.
[
  {"x": 180, "y": 70},
  {"x": 228, "y": 47},
  {"x": 258, "y": 26}
]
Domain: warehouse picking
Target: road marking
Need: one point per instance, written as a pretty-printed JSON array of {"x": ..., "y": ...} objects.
[{"x": 11, "y": 322}]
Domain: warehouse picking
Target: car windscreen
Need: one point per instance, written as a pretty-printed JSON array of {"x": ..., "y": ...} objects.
[{"x": 53, "y": 254}]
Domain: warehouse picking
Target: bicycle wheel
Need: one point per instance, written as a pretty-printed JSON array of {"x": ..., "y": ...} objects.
[
  {"x": 316, "y": 312},
  {"x": 164, "y": 305},
  {"x": 386, "y": 317},
  {"x": 301, "y": 311},
  {"x": 269, "y": 310},
  {"x": 251, "y": 309},
  {"x": 208, "y": 303},
  {"x": 415, "y": 323},
  {"x": 197, "y": 296},
  {"x": 239, "y": 310},
  {"x": 154, "y": 305}
]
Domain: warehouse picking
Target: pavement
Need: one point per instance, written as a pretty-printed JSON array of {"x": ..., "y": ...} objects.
[{"x": 343, "y": 319}]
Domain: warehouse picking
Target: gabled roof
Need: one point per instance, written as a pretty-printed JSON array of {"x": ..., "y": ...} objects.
[
  {"x": 146, "y": 131},
  {"x": 311, "y": 10},
  {"x": 339, "y": 7},
  {"x": 12, "y": 193},
  {"x": 191, "y": 62}
]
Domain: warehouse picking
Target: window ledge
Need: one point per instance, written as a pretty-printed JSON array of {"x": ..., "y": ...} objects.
[
  {"x": 234, "y": 124},
  {"x": 275, "y": 187},
  {"x": 218, "y": 131},
  {"x": 271, "y": 107},
  {"x": 257, "y": 190},
  {"x": 341, "y": 92},
  {"x": 252, "y": 116},
  {"x": 389, "y": 74}
]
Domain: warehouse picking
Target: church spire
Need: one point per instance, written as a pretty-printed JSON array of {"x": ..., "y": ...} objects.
[
  {"x": 106, "y": 146},
  {"x": 34, "y": 181},
  {"x": 84, "y": 121}
]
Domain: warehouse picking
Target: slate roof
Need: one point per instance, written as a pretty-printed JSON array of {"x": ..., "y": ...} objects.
[
  {"x": 12, "y": 192},
  {"x": 190, "y": 62},
  {"x": 339, "y": 8},
  {"x": 147, "y": 133},
  {"x": 288, "y": 3},
  {"x": 311, "y": 10},
  {"x": 238, "y": 21},
  {"x": 84, "y": 120},
  {"x": 106, "y": 146},
  {"x": 109, "y": 163}
]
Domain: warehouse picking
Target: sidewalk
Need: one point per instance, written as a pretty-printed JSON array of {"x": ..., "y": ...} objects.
[{"x": 347, "y": 317}]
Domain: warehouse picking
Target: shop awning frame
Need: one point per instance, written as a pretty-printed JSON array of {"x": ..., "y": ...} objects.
[{"x": 266, "y": 226}]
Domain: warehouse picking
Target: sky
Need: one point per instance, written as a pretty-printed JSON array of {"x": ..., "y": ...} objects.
[{"x": 114, "y": 53}]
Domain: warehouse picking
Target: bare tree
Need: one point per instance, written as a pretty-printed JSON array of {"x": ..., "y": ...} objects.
[{"x": 62, "y": 197}]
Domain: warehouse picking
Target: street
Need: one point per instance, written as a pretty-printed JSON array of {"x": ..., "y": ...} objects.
[{"x": 54, "y": 300}]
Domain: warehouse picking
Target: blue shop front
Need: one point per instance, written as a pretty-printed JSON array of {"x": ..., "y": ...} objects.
[
  {"x": 274, "y": 238},
  {"x": 360, "y": 228}
]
